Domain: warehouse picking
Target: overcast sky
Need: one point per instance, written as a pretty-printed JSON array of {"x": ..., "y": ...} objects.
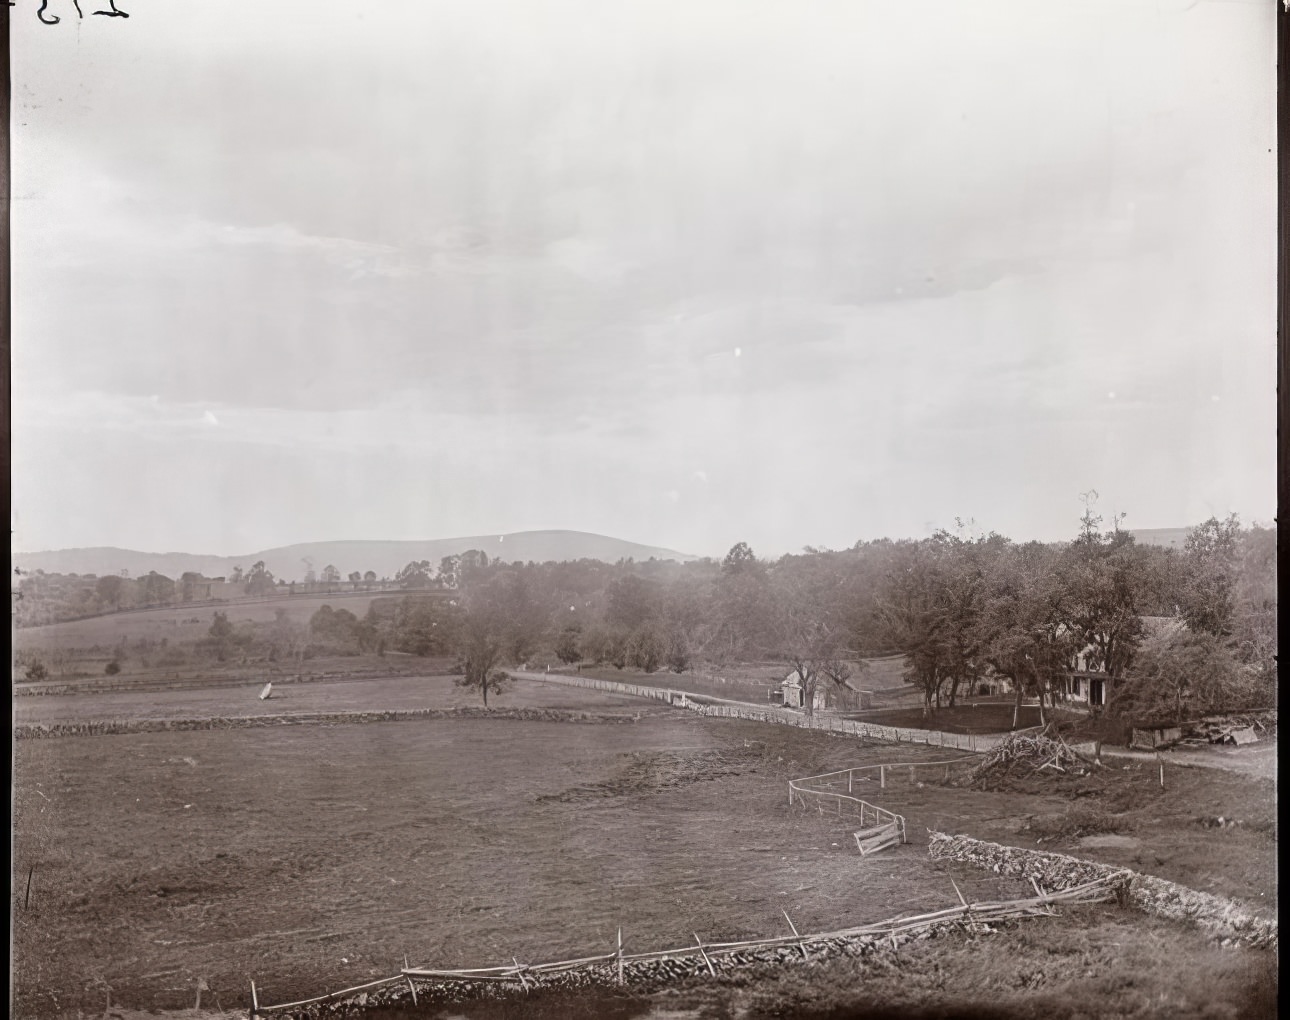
[{"x": 685, "y": 272}]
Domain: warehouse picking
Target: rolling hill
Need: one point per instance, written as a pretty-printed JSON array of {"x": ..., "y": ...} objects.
[
  {"x": 384, "y": 558},
  {"x": 1171, "y": 538}
]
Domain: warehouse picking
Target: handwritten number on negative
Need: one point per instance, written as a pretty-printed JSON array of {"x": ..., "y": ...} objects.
[{"x": 53, "y": 19}]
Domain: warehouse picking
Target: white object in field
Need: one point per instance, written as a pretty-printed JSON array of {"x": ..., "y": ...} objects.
[{"x": 268, "y": 689}]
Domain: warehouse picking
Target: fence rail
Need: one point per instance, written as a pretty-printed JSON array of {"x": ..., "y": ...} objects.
[
  {"x": 619, "y": 967},
  {"x": 826, "y": 793},
  {"x": 722, "y": 709}
]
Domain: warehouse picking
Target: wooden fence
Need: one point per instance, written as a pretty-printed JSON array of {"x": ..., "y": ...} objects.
[
  {"x": 720, "y": 708},
  {"x": 835, "y": 793},
  {"x": 699, "y": 957}
]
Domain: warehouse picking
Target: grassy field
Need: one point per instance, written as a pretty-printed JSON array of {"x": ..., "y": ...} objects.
[
  {"x": 312, "y": 857},
  {"x": 750, "y": 682},
  {"x": 301, "y": 698},
  {"x": 181, "y": 623},
  {"x": 995, "y": 716}
]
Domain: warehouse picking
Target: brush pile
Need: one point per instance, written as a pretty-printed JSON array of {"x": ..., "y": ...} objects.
[{"x": 1028, "y": 754}]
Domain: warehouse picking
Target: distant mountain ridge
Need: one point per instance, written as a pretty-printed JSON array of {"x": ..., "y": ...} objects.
[
  {"x": 384, "y": 558},
  {"x": 1171, "y": 538}
]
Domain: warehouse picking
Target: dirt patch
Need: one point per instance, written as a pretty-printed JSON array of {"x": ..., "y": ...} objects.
[
  {"x": 646, "y": 772},
  {"x": 1102, "y": 842}
]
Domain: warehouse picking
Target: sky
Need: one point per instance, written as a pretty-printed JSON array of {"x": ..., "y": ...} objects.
[{"x": 685, "y": 272}]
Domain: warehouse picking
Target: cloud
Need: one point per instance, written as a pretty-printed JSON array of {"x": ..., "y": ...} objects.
[{"x": 842, "y": 254}]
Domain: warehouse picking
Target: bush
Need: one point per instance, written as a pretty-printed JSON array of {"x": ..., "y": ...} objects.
[
  {"x": 37, "y": 671},
  {"x": 112, "y": 668},
  {"x": 1182, "y": 676}
]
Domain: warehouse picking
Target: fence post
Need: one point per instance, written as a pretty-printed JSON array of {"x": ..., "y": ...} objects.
[
  {"x": 882, "y": 776},
  {"x": 620, "y": 955}
]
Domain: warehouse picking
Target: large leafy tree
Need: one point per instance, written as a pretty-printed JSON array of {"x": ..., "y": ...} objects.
[
  {"x": 1108, "y": 579},
  {"x": 931, "y": 608},
  {"x": 288, "y": 639},
  {"x": 808, "y": 629},
  {"x": 259, "y": 581},
  {"x": 221, "y": 635},
  {"x": 1255, "y": 596},
  {"x": 483, "y": 633},
  {"x": 155, "y": 589},
  {"x": 631, "y": 601},
  {"x": 1208, "y": 599},
  {"x": 1179, "y": 675},
  {"x": 527, "y": 616},
  {"x": 566, "y": 645},
  {"x": 415, "y": 574},
  {"x": 425, "y": 625},
  {"x": 741, "y": 606},
  {"x": 914, "y": 620},
  {"x": 112, "y": 591},
  {"x": 1024, "y": 635}
]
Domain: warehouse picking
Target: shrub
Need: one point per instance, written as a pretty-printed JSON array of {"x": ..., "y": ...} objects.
[
  {"x": 37, "y": 671},
  {"x": 112, "y": 668}
]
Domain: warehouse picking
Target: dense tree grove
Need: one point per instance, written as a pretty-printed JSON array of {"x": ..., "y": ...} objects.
[{"x": 961, "y": 608}]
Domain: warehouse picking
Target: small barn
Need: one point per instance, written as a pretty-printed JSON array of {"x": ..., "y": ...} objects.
[
  {"x": 827, "y": 695},
  {"x": 790, "y": 689}
]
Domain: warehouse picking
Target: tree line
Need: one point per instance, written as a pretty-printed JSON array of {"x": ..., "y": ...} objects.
[
  {"x": 961, "y": 607},
  {"x": 1173, "y": 630}
]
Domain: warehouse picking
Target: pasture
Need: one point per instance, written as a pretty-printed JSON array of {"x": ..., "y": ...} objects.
[
  {"x": 753, "y": 682},
  {"x": 313, "y": 857},
  {"x": 182, "y": 623}
]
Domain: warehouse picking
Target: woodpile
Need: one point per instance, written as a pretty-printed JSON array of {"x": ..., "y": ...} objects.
[
  {"x": 1231, "y": 729},
  {"x": 1027, "y": 754},
  {"x": 1223, "y": 919}
]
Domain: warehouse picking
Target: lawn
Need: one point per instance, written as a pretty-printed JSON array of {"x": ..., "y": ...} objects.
[
  {"x": 312, "y": 857},
  {"x": 981, "y": 717}
]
